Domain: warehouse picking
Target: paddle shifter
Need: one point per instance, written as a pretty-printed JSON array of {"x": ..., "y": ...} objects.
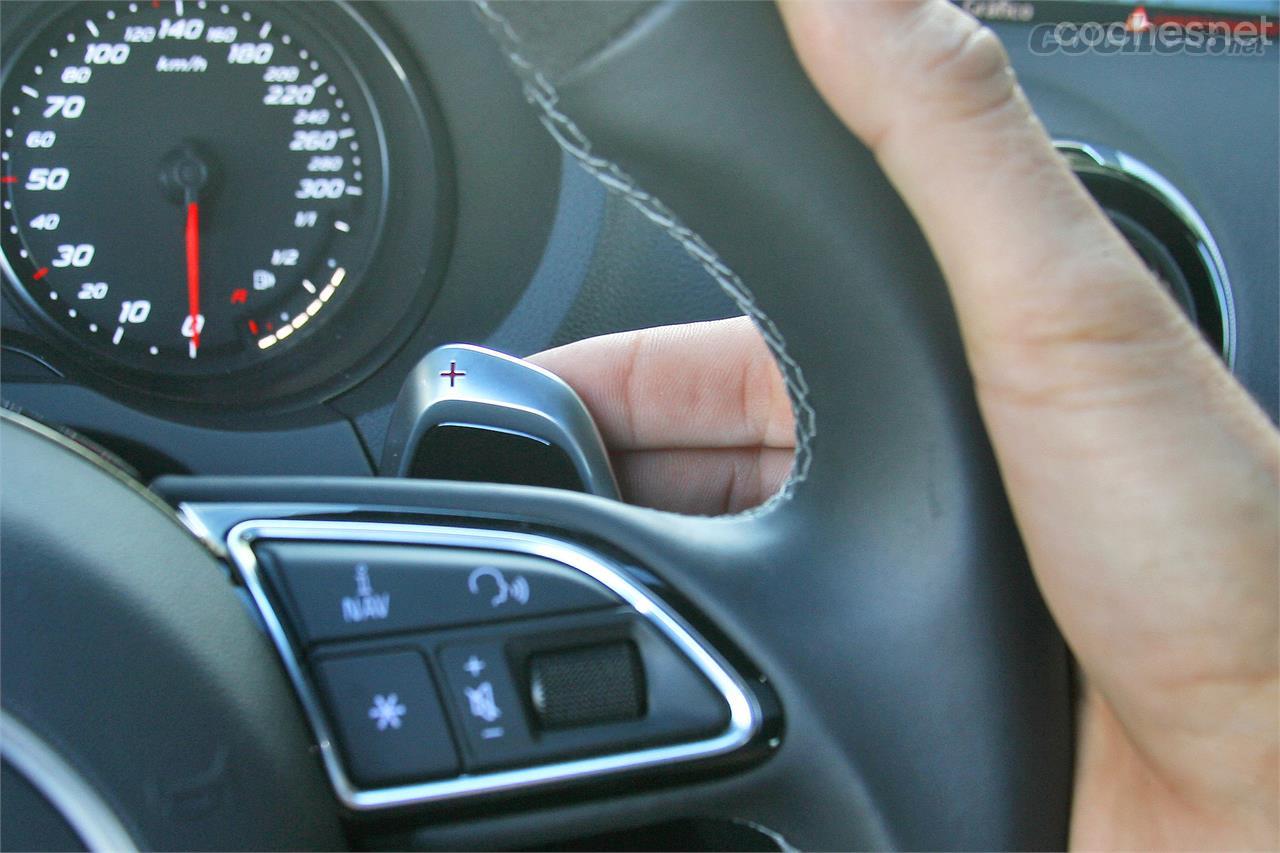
[{"x": 470, "y": 413}]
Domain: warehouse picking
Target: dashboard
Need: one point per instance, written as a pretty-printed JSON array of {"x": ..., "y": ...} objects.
[{"x": 230, "y": 230}]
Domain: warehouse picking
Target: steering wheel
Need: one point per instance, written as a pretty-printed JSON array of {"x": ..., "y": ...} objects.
[{"x": 884, "y": 593}]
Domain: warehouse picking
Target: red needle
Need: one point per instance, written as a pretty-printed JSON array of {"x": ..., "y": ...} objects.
[{"x": 193, "y": 273}]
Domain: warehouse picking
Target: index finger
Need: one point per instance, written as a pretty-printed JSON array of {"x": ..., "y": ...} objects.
[{"x": 711, "y": 385}]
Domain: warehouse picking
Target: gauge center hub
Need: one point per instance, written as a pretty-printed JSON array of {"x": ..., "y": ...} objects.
[{"x": 184, "y": 174}]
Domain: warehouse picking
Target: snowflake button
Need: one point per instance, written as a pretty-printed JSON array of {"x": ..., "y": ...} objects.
[
  {"x": 387, "y": 718},
  {"x": 387, "y": 711}
]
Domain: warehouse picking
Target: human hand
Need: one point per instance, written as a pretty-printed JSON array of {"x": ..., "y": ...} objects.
[{"x": 1145, "y": 481}]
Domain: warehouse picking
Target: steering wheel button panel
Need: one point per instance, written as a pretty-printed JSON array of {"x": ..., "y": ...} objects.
[
  {"x": 386, "y": 607},
  {"x": 388, "y": 717},
  {"x": 343, "y": 590}
]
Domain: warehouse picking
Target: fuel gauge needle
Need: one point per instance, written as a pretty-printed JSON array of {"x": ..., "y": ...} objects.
[{"x": 193, "y": 275}]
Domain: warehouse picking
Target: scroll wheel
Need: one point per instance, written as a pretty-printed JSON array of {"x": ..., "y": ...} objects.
[{"x": 583, "y": 686}]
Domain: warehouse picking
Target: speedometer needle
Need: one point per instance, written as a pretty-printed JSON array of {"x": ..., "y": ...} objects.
[{"x": 193, "y": 275}]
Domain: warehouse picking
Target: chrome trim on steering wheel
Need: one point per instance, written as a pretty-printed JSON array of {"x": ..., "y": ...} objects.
[
  {"x": 1090, "y": 157},
  {"x": 81, "y": 807},
  {"x": 745, "y": 717}
]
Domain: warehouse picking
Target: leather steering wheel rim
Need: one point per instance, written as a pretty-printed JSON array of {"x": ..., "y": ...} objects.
[
  {"x": 941, "y": 676},
  {"x": 884, "y": 593},
  {"x": 128, "y": 655},
  {"x": 955, "y": 679}
]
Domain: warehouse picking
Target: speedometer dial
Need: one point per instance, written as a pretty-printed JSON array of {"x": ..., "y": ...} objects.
[
  {"x": 186, "y": 185},
  {"x": 189, "y": 188}
]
